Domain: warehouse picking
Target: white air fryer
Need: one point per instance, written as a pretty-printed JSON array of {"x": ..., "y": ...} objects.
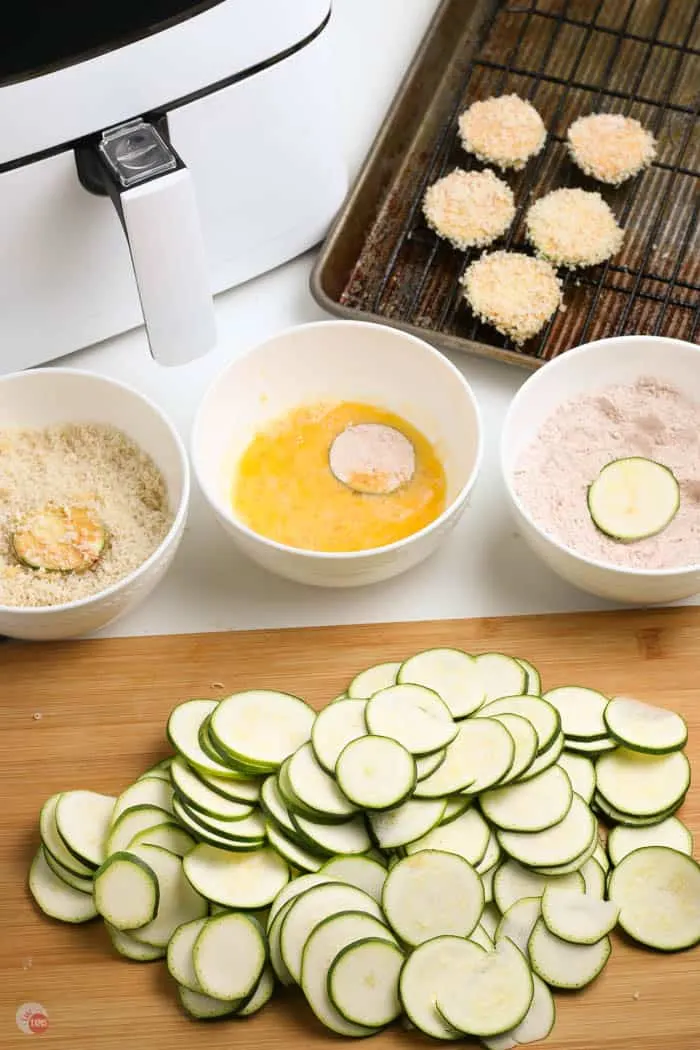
[{"x": 153, "y": 153}]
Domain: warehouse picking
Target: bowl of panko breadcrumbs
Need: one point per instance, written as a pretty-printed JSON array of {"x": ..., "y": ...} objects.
[
  {"x": 94, "y": 491},
  {"x": 600, "y": 455}
]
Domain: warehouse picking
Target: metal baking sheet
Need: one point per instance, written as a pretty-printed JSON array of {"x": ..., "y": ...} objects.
[{"x": 568, "y": 57}]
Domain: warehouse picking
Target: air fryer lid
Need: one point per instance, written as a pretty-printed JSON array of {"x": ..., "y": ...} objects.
[{"x": 70, "y": 68}]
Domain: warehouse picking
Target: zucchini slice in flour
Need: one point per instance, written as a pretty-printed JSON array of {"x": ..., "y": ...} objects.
[
  {"x": 658, "y": 892},
  {"x": 363, "y": 982},
  {"x": 429, "y": 894},
  {"x": 633, "y": 498}
]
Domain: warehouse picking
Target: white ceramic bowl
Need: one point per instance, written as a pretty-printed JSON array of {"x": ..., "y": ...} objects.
[
  {"x": 582, "y": 371},
  {"x": 48, "y": 396},
  {"x": 337, "y": 361}
]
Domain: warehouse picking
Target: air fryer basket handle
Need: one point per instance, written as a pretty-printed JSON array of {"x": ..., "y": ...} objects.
[{"x": 154, "y": 196}]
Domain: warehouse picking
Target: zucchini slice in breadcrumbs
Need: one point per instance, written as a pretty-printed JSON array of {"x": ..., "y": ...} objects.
[{"x": 60, "y": 539}]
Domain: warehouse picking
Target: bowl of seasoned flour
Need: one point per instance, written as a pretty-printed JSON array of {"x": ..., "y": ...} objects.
[
  {"x": 600, "y": 455},
  {"x": 94, "y": 490}
]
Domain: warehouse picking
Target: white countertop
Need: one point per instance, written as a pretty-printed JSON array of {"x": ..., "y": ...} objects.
[{"x": 483, "y": 569}]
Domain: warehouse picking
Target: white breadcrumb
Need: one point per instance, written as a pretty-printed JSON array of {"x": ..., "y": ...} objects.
[
  {"x": 610, "y": 147},
  {"x": 514, "y": 293},
  {"x": 86, "y": 464},
  {"x": 572, "y": 227},
  {"x": 504, "y": 130},
  {"x": 470, "y": 209}
]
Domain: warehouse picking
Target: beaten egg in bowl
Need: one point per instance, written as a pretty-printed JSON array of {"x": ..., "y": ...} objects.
[{"x": 284, "y": 487}]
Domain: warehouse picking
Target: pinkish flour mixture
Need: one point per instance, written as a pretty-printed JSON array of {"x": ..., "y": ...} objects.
[{"x": 647, "y": 419}]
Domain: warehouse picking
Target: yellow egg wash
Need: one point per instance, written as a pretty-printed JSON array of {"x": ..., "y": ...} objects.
[{"x": 284, "y": 488}]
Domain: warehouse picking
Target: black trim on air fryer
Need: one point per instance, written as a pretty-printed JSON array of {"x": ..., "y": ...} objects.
[{"x": 184, "y": 100}]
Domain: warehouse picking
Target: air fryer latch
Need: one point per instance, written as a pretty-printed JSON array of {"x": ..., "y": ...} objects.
[
  {"x": 154, "y": 196},
  {"x": 135, "y": 151}
]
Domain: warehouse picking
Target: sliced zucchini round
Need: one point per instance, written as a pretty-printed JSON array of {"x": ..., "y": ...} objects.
[
  {"x": 363, "y": 982},
  {"x": 179, "y": 958},
  {"x": 169, "y": 835},
  {"x": 82, "y": 820},
  {"x": 296, "y": 855},
  {"x": 544, "y": 718},
  {"x": 261, "y": 726},
  {"x": 633, "y": 498},
  {"x": 182, "y": 730},
  {"x": 486, "y": 993},
  {"x": 127, "y": 893},
  {"x": 406, "y": 823},
  {"x": 581, "y": 772},
  {"x": 372, "y": 679},
  {"x": 525, "y": 742},
  {"x": 577, "y": 917},
  {"x": 513, "y": 882},
  {"x": 593, "y": 877},
  {"x": 480, "y": 755},
  {"x": 205, "y": 1007},
  {"x": 131, "y": 822},
  {"x": 314, "y": 788},
  {"x": 670, "y": 832},
  {"x": 200, "y": 797},
  {"x": 376, "y": 772},
  {"x": 452, "y": 674},
  {"x": 413, "y": 715},
  {"x": 658, "y": 893},
  {"x": 644, "y": 727},
  {"x": 85, "y": 885},
  {"x": 533, "y": 805},
  {"x": 548, "y": 757},
  {"x": 467, "y": 836},
  {"x": 456, "y": 806},
  {"x": 349, "y": 837},
  {"x": 432, "y": 893},
  {"x": 519, "y": 921},
  {"x": 364, "y": 872},
  {"x": 236, "y": 880},
  {"x": 274, "y": 806},
  {"x": 262, "y": 994},
  {"x": 324, "y": 943},
  {"x": 421, "y": 979},
  {"x": 130, "y": 948},
  {"x": 537, "y": 1023},
  {"x": 642, "y": 785},
  {"x": 229, "y": 955},
  {"x": 56, "y": 898},
  {"x": 148, "y": 791},
  {"x": 60, "y": 539},
  {"x": 293, "y": 888},
  {"x": 533, "y": 681},
  {"x": 558, "y": 845},
  {"x": 309, "y": 909},
  {"x": 54, "y": 844},
  {"x": 581, "y": 711},
  {"x": 565, "y": 965},
  {"x": 178, "y": 901},
  {"x": 335, "y": 727},
  {"x": 501, "y": 675}
]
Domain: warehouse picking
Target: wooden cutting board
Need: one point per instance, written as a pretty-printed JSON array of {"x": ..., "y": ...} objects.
[{"x": 92, "y": 714}]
